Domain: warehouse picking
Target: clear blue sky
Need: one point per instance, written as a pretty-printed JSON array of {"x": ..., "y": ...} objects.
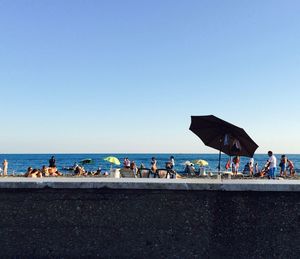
[{"x": 125, "y": 76}]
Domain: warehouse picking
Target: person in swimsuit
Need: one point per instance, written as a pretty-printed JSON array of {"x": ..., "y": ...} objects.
[
  {"x": 153, "y": 165},
  {"x": 126, "y": 163},
  {"x": 291, "y": 167},
  {"x": 5, "y": 167}
]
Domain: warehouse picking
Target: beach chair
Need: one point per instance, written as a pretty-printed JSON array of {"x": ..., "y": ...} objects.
[
  {"x": 162, "y": 173},
  {"x": 165, "y": 173},
  {"x": 127, "y": 173},
  {"x": 143, "y": 172}
]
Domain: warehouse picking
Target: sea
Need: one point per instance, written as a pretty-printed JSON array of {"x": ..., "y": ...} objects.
[{"x": 18, "y": 163}]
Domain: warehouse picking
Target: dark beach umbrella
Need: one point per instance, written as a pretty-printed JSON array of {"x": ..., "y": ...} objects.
[
  {"x": 86, "y": 161},
  {"x": 223, "y": 136}
]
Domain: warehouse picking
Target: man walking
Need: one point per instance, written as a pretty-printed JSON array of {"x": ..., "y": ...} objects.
[{"x": 272, "y": 165}]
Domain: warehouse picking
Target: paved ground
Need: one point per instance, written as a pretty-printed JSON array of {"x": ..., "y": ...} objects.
[{"x": 151, "y": 183}]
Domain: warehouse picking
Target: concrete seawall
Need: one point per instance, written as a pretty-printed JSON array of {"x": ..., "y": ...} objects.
[{"x": 89, "y": 217}]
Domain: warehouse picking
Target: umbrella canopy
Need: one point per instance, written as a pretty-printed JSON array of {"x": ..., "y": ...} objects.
[
  {"x": 112, "y": 160},
  {"x": 86, "y": 161},
  {"x": 223, "y": 136},
  {"x": 200, "y": 162}
]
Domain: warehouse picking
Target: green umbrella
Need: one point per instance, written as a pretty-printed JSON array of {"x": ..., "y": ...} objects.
[{"x": 112, "y": 160}]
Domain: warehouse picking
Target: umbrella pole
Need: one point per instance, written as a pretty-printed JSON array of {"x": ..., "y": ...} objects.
[{"x": 219, "y": 166}]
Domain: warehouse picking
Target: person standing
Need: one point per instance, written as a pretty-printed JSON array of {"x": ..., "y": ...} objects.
[
  {"x": 133, "y": 168},
  {"x": 52, "y": 162},
  {"x": 256, "y": 169},
  {"x": 153, "y": 165},
  {"x": 5, "y": 167},
  {"x": 172, "y": 161},
  {"x": 283, "y": 165},
  {"x": 272, "y": 165},
  {"x": 251, "y": 166},
  {"x": 126, "y": 163},
  {"x": 235, "y": 165}
]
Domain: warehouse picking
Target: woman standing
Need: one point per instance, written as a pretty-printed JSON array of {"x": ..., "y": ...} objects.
[
  {"x": 153, "y": 165},
  {"x": 5, "y": 166}
]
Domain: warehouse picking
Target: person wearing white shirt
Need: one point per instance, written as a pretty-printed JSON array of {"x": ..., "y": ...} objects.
[
  {"x": 172, "y": 161},
  {"x": 272, "y": 164}
]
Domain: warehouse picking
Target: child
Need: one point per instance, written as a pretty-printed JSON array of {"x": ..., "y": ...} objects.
[{"x": 291, "y": 167}]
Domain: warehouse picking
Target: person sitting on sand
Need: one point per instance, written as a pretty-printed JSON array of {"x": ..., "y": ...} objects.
[
  {"x": 189, "y": 169},
  {"x": 28, "y": 172},
  {"x": 45, "y": 171},
  {"x": 247, "y": 169},
  {"x": 283, "y": 165},
  {"x": 291, "y": 167},
  {"x": 34, "y": 173},
  {"x": 79, "y": 171},
  {"x": 153, "y": 165},
  {"x": 98, "y": 172},
  {"x": 265, "y": 170},
  {"x": 50, "y": 171}
]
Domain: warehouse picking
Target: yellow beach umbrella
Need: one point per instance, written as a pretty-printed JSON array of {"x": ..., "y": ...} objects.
[
  {"x": 200, "y": 162},
  {"x": 112, "y": 160}
]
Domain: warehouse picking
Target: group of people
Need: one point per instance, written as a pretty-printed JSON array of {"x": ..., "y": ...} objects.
[
  {"x": 51, "y": 170},
  {"x": 269, "y": 169},
  {"x": 169, "y": 166},
  {"x": 190, "y": 169},
  {"x": 286, "y": 165}
]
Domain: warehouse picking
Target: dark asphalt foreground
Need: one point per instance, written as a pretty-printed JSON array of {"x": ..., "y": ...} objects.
[{"x": 149, "y": 218}]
